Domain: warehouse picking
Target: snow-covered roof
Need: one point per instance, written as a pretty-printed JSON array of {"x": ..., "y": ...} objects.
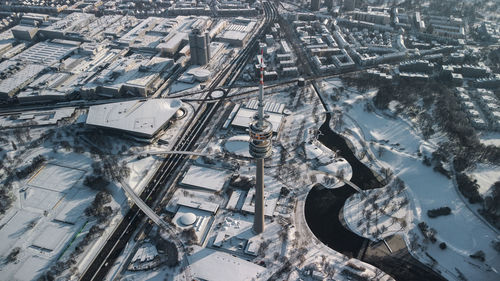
[
  {"x": 245, "y": 116},
  {"x": 145, "y": 117},
  {"x": 145, "y": 253},
  {"x": 206, "y": 178},
  {"x": 208, "y": 267},
  {"x": 196, "y": 203},
  {"x": 312, "y": 151},
  {"x": 188, "y": 219}
]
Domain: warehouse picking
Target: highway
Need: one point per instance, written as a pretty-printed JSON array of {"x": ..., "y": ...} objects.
[{"x": 155, "y": 188}]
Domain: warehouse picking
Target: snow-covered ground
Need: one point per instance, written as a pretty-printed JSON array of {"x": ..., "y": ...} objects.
[
  {"x": 490, "y": 138},
  {"x": 47, "y": 214},
  {"x": 330, "y": 169},
  {"x": 388, "y": 213},
  {"x": 238, "y": 145},
  {"x": 47, "y": 219},
  {"x": 396, "y": 143},
  {"x": 486, "y": 175}
]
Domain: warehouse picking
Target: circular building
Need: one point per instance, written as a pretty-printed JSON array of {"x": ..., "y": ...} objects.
[
  {"x": 200, "y": 74},
  {"x": 188, "y": 219}
]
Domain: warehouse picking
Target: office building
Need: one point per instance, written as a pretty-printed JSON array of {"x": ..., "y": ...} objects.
[{"x": 199, "y": 44}]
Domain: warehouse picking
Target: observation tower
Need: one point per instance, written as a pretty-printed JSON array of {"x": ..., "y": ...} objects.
[{"x": 260, "y": 147}]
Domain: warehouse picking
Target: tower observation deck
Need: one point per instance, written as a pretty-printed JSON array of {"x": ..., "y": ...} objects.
[{"x": 260, "y": 147}]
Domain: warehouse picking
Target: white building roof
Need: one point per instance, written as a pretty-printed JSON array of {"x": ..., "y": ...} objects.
[
  {"x": 20, "y": 79},
  {"x": 206, "y": 178},
  {"x": 198, "y": 204},
  {"x": 145, "y": 253},
  {"x": 143, "y": 117},
  {"x": 245, "y": 116},
  {"x": 47, "y": 52},
  {"x": 172, "y": 44},
  {"x": 234, "y": 35},
  {"x": 188, "y": 219},
  {"x": 208, "y": 267}
]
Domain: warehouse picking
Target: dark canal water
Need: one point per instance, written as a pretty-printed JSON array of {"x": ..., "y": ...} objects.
[
  {"x": 322, "y": 208},
  {"x": 323, "y": 205}
]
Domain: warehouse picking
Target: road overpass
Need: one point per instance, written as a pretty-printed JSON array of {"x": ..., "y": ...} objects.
[{"x": 166, "y": 152}]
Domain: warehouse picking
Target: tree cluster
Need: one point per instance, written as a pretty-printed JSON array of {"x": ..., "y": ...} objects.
[
  {"x": 12, "y": 257},
  {"x": 109, "y": 168},
  {"x": 284, "y": 191},
  {"x": 35, "y": 164},
  {"x": 242, "y": 182},
  {"x": 479, "y": 255},
  {"x": 190, "y": 235},
  {"x": 98, "y": 208},
  {"x": 491, "y": 206},
  {"x": 443, "y": 211},
  {"x": 429, "y": 233},
  {"x": 96, "y": 182},
  {"x": 469, "y": 188},
  {"x": 6, "y": 197},
  {"x": 171, "y": 251}
]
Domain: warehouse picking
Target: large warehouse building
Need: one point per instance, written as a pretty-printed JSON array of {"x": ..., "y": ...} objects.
[{"x": 144, "y": 120}]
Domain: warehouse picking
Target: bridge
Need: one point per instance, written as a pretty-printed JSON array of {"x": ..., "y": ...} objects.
[
  {"x": 144, "y": 207},
  {"x": 165, "y": 152},
  {"x": 158, "y": 221},
  {"x": 348, "y": 182}
]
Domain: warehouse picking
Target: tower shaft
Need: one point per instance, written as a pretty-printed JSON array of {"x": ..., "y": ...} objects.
[{"x": 258, "y": 219}]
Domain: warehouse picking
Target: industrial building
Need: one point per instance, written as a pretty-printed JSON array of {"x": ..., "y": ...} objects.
[
  {"x": 238, "y": 32},
  {"x": 48, "y": 87},
  {"x": 244, "y": 115},
  {"x": 48, "y": 52},
  {"x": 24, "y": 32},
  {"x": 135, "y": 75},
  {"x": 17, "y": 75},
  {"x": 69, "y": 27}
]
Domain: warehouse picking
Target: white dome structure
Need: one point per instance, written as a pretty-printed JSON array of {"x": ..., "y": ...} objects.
[
  {"x": 188, "y": 219},
  {"x": 217, "y": 94},
  {"x": 180, "y": 113},
  {"x": 200, "y": 74}
]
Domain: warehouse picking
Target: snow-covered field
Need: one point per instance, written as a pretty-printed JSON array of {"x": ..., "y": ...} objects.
[
  {"x": 389, "y": 216},
  {"x": 43, "y": 220},
  {"x": 396, "y": 143},
  {"x": 486, "y": 176},
  {"x": 490, "y": 138},
  {"x": 47, "y": 220}
]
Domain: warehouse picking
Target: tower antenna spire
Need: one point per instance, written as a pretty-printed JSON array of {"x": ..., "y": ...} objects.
[{"x": 261, "y": 89}]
